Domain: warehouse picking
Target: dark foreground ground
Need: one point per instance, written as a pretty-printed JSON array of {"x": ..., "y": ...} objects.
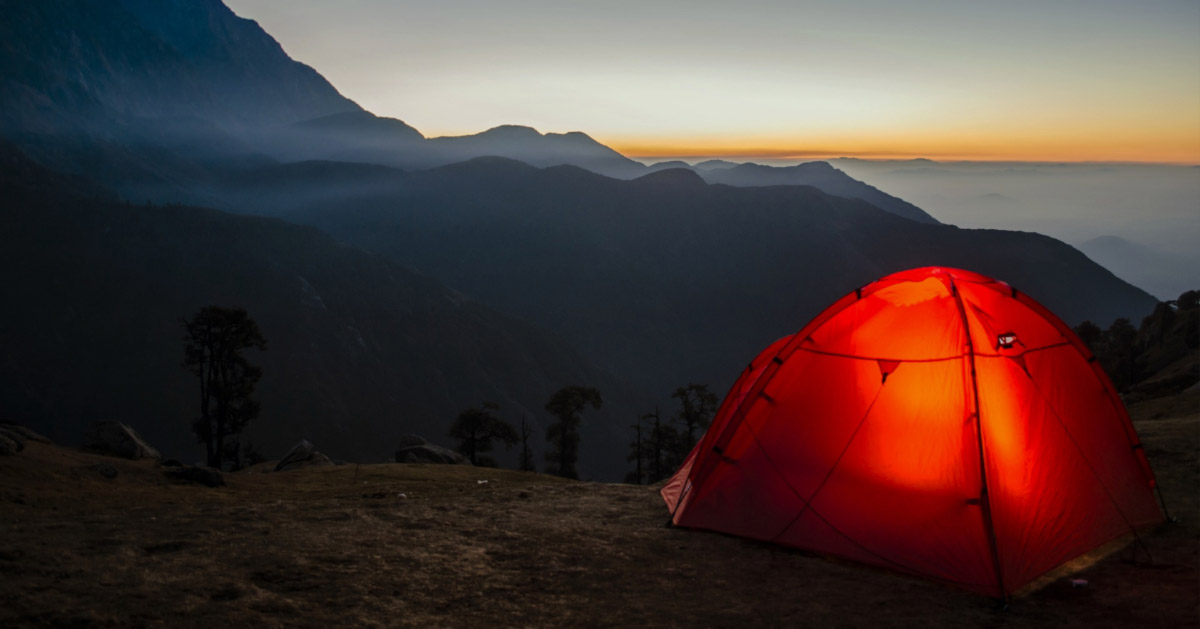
[{"x": 336, "y": 546}]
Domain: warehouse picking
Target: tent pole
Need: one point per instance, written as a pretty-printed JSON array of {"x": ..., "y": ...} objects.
[
  {"x": 1166, "y": 511},
  {"x": 984, "y": 499}
]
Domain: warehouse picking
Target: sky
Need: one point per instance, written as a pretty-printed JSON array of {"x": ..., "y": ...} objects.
[{"x": 1066, "y": 80}]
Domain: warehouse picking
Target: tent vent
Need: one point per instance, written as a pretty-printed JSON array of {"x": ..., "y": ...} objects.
[{"x": 1006, "y": 340}]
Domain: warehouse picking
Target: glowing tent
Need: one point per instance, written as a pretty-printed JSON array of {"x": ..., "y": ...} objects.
[{"x": 936, "y": 422}]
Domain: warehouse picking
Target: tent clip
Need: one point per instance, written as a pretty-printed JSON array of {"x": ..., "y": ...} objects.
[{"x": 721, "y": 455}]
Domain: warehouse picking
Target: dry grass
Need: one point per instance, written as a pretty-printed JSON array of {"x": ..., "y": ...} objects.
[{"x": 336, "y": 546}]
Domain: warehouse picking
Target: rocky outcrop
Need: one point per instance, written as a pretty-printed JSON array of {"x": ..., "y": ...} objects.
[
  {"x": 117, "y": 439},
  {"x": 9, "y": 446},
  {"x": 23, "y": 432},
  {"x": 197, "y": 474},
  {"x": 13, "y": 438},
  {"x": 303, "y": 454},
  {"x": 414, "y": 449}
]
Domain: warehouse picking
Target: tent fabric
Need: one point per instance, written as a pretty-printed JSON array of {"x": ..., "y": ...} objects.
[{"x": 936, "y": 422}]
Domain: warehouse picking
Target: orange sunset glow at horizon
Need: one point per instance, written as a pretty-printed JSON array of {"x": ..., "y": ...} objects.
[{"x": 1072, "y": 80}]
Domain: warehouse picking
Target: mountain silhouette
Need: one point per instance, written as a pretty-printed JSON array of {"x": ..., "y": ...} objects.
[
  {"x": 149, "y": 96},
  {"x": 665, "y": 278},
  {"x": 819, "y": 175},
  {"x": 157, "y": 99},
  {"x": 93, "y": 66},
  {"x": 360, "y": 349}
]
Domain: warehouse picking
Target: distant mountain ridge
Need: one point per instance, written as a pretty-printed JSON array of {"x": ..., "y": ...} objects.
[
  {"x": 360, "y": 349},
  {"x": 1145, "y": 267},
  {"x": 157, "y": 97},
  {"x": 819, "y": 175},
  {"x": 665, "y": 278}
]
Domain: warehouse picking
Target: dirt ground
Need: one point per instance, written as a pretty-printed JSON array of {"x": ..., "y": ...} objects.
[{"x": 338, "y": 546}]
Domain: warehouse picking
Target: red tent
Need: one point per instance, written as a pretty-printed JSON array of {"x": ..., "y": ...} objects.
[{"x": 936, "y": 422}]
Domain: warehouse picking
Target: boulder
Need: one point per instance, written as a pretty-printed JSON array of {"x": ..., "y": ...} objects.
[
  {"x": 197, "y": 474},
  {"x": 28, "y": 434},
  {"x": 117, "y": 439},
  {"x": 106, "y": 470},
  {"x": 15, "y": 437},
  {"x": 303, "y": 454},
  {"x": 8, "y": 447},
  {"x": 414, "y": 449}
]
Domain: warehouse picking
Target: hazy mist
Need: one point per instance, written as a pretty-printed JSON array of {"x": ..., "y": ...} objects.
[{"x": 1153, "y": 211}]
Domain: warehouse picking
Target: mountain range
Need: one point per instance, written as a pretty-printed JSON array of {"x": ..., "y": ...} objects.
[
  {"x": 361, "y": 350},
  {"x": 665, "y": 278},
  {"x": 402, "y": 278}
]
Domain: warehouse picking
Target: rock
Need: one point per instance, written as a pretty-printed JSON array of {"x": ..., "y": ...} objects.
[
  {"x": 409, "y": 441},
  {"x": 303, "y": 454},
  {"x": 414, "y": 449},
  {"x": 106, "y": 470},
  {"x": 8, "y": 447},
  {"x": 117, "y": 439},
  {"x": 197, "y": 474},
  {"x": 28, "y": 434},
  {"x": 14, "y": 437}
]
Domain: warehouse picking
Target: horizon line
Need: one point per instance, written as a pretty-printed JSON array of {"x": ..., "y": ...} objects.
[{"x": 799, "y": 156}]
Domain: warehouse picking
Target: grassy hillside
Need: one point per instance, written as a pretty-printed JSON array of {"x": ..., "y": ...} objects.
[{"x": 339, "y": 546}]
